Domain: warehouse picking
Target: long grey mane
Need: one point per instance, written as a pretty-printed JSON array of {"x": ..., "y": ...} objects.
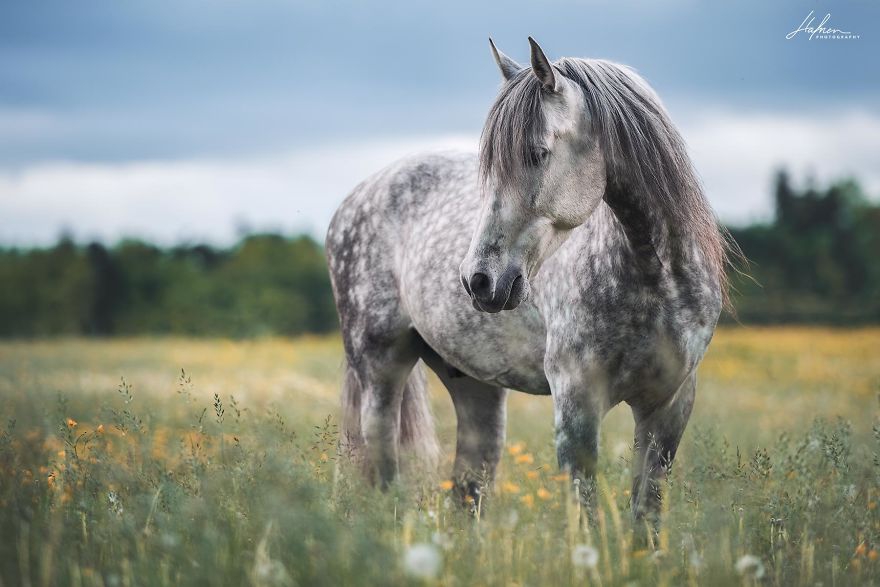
[{"x": 644, "y": 151}]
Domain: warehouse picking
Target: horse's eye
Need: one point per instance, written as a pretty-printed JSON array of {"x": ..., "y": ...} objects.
[{"x": 539, "y": 155}]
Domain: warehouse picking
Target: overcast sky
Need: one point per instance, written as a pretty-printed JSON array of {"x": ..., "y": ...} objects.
[{"x": 194, "y": 120}]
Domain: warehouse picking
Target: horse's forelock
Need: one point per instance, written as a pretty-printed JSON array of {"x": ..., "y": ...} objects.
[{"x": 515, "y": 125}]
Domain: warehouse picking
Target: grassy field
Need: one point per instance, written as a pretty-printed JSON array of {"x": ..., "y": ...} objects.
[{"x": 167, "y": 461}]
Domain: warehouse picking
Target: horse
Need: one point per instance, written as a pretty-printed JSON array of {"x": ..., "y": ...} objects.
[{"x": 575, "y": 256}]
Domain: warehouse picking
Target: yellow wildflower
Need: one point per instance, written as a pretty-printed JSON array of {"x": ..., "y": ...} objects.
[
  {"x": 526, "y": 459},
  {"x": 71, "y": 423},
  {"x": 508, "y": 487},
  {"x": 447, "y": 485},
  {"x": 543, "y": 494},
  {"x": 528, "y": 500},
  {"x": 872, "y": 554},
  {"x": 515, "y": 449},
  {"x": 100, "y": 429},
  {"x": 560, "y": 477},
  {"x": 532, "y": 474}
]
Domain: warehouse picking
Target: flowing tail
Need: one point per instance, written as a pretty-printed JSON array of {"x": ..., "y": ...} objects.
[{"x": 417, "y": 436}]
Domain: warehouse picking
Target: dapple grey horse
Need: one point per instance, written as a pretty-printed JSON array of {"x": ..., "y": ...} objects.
[{"x": 577, "y": 256}]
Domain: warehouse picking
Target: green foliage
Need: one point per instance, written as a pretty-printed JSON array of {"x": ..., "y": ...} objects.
[
  {"x": 817, "y": 262},
  {"x": 267, "y": 284}
]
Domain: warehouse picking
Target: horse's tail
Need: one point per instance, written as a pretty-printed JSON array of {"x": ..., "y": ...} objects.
[{"x": 417, "y": 436}]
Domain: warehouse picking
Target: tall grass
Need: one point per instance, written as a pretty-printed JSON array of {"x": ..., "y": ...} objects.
[{"x": 168, "y": 477}]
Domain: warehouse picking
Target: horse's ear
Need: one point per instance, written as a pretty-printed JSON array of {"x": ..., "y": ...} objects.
[
  {"x": 541, "y": 67},
  {"x": 508, "y": 66}
]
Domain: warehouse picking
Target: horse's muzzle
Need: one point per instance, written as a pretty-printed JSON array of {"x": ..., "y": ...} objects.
[{"x": 490, "y": 295}]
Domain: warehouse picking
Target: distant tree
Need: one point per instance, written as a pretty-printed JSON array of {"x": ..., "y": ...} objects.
[{"x": 106, "y": 290}]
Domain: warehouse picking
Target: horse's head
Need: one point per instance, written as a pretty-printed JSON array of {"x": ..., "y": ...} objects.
[{"x": 543, "y": 174}]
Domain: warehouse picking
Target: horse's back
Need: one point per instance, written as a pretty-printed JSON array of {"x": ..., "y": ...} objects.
[{"x": 396, "y": 192}]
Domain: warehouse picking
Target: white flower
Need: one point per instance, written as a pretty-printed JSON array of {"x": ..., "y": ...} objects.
[
  {"x": 115, "y": 504},
  {"x": 750, "y": 565},
  {"x": 584, "y": 556},
  {"x": 422, "y": 561},
  {"x": 696, "y": 560}
]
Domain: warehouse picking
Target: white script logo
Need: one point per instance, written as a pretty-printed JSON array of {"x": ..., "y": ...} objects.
[{"x": 820, "y": 31}]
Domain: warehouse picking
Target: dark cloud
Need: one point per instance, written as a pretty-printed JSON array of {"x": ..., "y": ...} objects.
[{"x": 112, "y": 81}]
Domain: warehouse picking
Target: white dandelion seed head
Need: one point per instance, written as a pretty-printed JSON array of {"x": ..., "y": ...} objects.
[
  {"x": 750, "y": 566},
  {"x": 584, "y": 556},
  {"x": 169, "y": 540},
  {"x": 512, "y": 519},
  {"x": 422, "y": 561},
  {"x": 443, "y": 539}
]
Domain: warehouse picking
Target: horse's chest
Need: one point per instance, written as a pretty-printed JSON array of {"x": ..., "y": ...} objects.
[{"x": 636, "y": 338}]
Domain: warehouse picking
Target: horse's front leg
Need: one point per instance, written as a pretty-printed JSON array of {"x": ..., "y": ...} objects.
[
  {"x": 579, "y": 405},
  {"x": 659, "y": 428}
]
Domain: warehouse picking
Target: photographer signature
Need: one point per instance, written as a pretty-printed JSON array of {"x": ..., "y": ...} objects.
[{"x": 807, "y": 27}]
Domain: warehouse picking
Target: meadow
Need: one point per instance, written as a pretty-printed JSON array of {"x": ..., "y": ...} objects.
[{"x": 166, "y": 461}]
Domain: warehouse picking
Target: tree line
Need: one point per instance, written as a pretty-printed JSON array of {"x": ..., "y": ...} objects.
[
  {"x": 815, "y": 262},
  {"x": 266, "y": 284}
]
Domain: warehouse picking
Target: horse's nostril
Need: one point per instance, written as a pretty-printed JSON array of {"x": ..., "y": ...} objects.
[
  {"x": 515, "y": 296},
  {"x": 480, "y": 285}
]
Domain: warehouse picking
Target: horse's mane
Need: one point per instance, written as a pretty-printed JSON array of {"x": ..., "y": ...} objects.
[{"x": 643, "y": 149}]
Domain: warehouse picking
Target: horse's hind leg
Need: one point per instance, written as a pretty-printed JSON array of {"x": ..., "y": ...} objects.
[
  {"x": 658, "y": 432},
  {"x": 382, "y": 368}
]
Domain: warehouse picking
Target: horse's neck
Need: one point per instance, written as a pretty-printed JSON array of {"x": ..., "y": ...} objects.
[{"x": 651, "y": 238}]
